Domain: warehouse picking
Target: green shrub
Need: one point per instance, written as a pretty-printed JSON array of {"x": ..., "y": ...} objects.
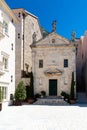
[
  {"x": 31, "y": 87},
  {"x": 37, "y": 95},
  {"x": 63, "y": 93},
  {"x": 43, "y": 93},
  {"x": 20, "y": 92},
  {"x": 66, "y": 95},
  {"x": 72, "y": 93}
]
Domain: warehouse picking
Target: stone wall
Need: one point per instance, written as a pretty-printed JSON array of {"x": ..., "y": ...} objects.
[{"x": 28, "y": 24}]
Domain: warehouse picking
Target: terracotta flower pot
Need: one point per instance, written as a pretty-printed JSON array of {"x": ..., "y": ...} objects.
[
  {"x": 30, "y": 101},
  {"x": 72, "y": 101}
]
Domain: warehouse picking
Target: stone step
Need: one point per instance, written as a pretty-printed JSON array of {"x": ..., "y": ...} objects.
[
  {"x": 50, "y": 102},
  {"x": 81, "y": 98}
]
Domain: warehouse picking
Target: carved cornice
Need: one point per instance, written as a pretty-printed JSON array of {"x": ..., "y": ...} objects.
[{"x": 53, "y": 71}]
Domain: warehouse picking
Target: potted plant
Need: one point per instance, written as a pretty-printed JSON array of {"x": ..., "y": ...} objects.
[
  {"x": 65, "y": 96},
  {"x": 37, "y": 95},
  {"x": 1, "y": 98},
  {"x": 72, "y": 91},
  {"x": 20, "y": 93},
  {"x": 43, "y": 94},
  {"x": 31, "y": 90}
]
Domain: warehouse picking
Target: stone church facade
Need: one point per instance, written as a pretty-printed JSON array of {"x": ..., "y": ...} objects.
[{"x": 53, "y": 60}]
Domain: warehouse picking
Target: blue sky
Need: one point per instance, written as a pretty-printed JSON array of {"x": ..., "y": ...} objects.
[{"x": 70, "y": 14}]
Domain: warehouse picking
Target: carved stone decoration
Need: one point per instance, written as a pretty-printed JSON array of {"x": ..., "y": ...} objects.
[
  {"x": 53, "y": 71},
  {"x": 54, "y": 26},
  {"x": 34, "y": 37},
  {"x": 73, "y": 35}
]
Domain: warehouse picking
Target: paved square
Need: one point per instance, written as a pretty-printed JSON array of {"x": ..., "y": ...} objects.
[{"x": 35, "y": 117}]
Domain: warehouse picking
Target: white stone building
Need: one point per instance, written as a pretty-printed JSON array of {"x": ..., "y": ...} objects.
[
  {"x": 53, "y": 64},
  {"x": 24, "y": 30},
  {"x": 7, "y": 50}
]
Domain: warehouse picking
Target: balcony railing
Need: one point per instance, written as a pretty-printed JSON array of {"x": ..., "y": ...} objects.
[
  {"x": 1, "y": 31},
  {"x": 1, "y": 68}
]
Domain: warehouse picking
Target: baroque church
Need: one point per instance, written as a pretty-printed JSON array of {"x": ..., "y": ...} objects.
[{"x": 53, "y": 61}]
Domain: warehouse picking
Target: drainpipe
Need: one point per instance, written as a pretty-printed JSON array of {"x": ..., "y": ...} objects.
[
  {"x": 75, "y": 51},
  {"x": 23, "y": 41}
]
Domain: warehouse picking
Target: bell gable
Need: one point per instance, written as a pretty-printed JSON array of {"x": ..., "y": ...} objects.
[{"x": 52, "y": 39}]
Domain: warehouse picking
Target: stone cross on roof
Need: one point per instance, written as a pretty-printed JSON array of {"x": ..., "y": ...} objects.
[
  {"x": 73, "y": 35},
  {"x": 54, "y": 26}
]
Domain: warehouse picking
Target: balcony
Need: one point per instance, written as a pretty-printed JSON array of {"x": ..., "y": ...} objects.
[
  {"x": 1, "y": 68},
  {"x": 1, "y": 31}
]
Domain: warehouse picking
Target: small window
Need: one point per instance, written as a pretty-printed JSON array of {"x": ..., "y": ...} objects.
[
  {"x": 1, "y": 93},
  {"x": 4, "y": 91},
  {"x": 12, "y": 21},
  {"x": 40, "y": 63},
  {"x": 53, "y": 40},
  {"x": 12, "y": 46},
  {"x": 19, "y": 15},
  {"x": 5, "y": 61},
  {"x": 5, "y": 27},
  {"x": 65, "y": 62},
  {"x": 11, "y": 78},
  {"x": 18, "y": 35}
]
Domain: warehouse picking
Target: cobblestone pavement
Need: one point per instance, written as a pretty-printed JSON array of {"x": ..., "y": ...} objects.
[{"x": 37, "y": 117}]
